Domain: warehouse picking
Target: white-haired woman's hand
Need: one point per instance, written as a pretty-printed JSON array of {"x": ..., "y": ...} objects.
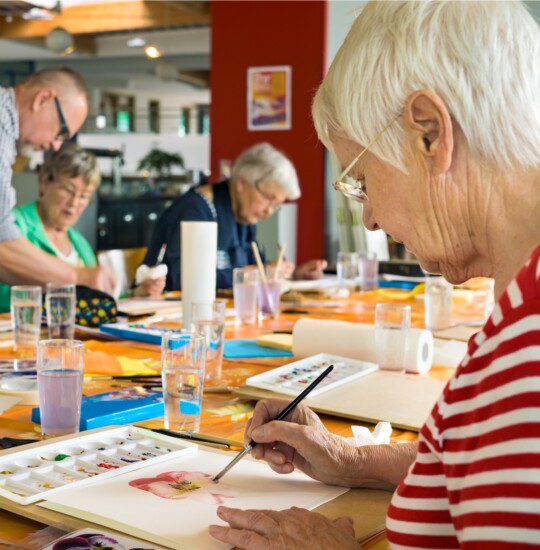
[
  {"x": 301, "y": 441},
  {"x": 313, "y": 269},
  {"x": 153, "y": 288},
  {"x": 292, "y": 529}
]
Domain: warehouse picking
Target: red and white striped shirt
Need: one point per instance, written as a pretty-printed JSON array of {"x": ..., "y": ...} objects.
[{"x": 476, "y": 480}]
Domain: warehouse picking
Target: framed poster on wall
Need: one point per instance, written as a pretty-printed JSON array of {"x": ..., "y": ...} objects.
[{"x": 269, "y": 98}]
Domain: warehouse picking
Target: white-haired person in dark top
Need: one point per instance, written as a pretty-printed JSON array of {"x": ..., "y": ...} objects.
[
  {"x": 262, "y": 179},
  {"x": 433, "y": 108}
]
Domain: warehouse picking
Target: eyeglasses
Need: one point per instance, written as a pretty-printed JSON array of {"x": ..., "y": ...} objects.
[
  {"x": 63, "y": 134},
  {"x": 272, "y": 202},
  {"x": 357, "y": 191},
  {"x": 70, "y": 193}
]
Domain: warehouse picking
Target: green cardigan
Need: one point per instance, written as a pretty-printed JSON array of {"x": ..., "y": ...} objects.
[{"x": 31, "y": 226}]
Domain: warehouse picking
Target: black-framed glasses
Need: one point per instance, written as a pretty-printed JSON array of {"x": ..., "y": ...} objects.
[{"x": 63, "y": 134}]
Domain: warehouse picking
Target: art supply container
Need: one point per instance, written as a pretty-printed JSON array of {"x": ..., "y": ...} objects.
[
  {"x": 245, "y": 289},
  {"x": 347, "y": 269},
  {"x": 183, "y": 355},
  {"x": 438, "y": 303},
  {"x": 60, "y": 305},
  {"x": 368, "y": 272},
  {"x": 60, "y": 366},
  {"x": 208, "y": 319},
  {"x": 392, "y": 326},
  {"x": 26, "y": 318}
]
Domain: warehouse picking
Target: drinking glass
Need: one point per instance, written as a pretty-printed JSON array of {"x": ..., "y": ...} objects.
[
  {"x": 270, "y": 294},
  {"x": 392, "y": 325},
  {"x": 26, "y": 318},
  {"x": 60, "y": 366},
  {"x": 347, "y": 269},
  {"x": 60, "y": 304},
  {"x": 208, "y": 319},
  {"x": 437, "y": 303},
  {"x": 368, "y": 272},
  {"x": 245, "y": 287},
  {"x": 183, "y": 356}
]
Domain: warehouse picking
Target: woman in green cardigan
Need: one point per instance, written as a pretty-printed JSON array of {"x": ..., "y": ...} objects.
[{"x": 67, "y": 181}]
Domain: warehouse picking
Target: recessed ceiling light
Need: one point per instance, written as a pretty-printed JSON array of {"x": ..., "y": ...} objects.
[
  {"x": 136, "y": 42},
  {"x": 152, "y": 52}
]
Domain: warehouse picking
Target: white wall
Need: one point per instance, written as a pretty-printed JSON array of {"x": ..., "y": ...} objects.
[
  {"x": 194, "y": 149},
  {"x": 341, "y": 14}
]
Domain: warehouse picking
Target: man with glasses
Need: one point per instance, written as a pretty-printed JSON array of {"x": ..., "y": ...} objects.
[
  {"x": 40, "y": 113},
  {"x": 262, "y": 179}
]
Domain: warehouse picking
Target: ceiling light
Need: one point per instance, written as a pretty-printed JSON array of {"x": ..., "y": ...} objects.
[
  {"x": 136, "y": 42},
  {"x": 59, "y": 41},
  {"x": 152, "y": 52}
]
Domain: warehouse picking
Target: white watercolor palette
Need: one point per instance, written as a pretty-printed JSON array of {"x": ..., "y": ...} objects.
[
  {"x": 33, "y": 474},
  {"x": 293, "y": 378}
]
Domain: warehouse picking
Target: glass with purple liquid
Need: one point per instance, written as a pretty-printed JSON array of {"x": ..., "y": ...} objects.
[
  {"x": 245, "y": 290},
  {"x": 270, "y": 294},
  {"x": 60, "y": 366}
]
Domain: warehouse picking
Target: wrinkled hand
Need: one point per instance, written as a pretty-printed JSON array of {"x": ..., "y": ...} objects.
[
  {"x": 97, "y": 277},
  {"x": 151, "y": 287},
  {"x": 288, "y": 530},
  {"x": 300, "y": 442},
  {"x": 314, "y": 269}
]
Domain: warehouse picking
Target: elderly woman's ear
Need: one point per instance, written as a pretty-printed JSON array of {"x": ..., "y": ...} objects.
[{"x": 429, "y": 122}]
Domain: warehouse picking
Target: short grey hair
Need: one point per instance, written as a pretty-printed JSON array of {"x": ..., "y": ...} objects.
[
  {"x": 62, "y": 79},
  {"x": 262, "y": 162},
  {"x": 481, "y": 58}
]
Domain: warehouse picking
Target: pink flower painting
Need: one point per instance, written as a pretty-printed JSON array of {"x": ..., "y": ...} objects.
[{"x": 181, "y": 485}]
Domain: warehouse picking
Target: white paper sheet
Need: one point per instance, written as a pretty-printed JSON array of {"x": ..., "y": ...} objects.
[
  {"x": 182, "y": 522},
  {"x": 7, "y": 401}
]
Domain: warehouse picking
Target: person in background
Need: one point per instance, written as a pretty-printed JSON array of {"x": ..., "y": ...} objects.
[
  {"x": 433, "y": 109},
  {"x": 41, "y": 113},
  {"x": 262, "y": 179},
  {"x": 67, "y": 181}
]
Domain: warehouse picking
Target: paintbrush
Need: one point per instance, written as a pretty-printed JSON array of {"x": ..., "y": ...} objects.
[
  {"x": 288, "y": 409},
  {"x": 281, "y": 256},
  {"x": 197, "y": 437}
]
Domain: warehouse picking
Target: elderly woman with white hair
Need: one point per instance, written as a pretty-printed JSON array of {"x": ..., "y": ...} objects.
[
  {"x": 262, "y": 179},
  {"x": 433, "y": 110}
]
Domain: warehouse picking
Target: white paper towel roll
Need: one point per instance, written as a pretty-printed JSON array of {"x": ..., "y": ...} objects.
[
  {"x": 357, "y": 341},
  {"x": 199, "y": 251}
]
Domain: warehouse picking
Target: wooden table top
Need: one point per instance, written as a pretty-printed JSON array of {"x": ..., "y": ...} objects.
[{"x": 223, "y": 414}]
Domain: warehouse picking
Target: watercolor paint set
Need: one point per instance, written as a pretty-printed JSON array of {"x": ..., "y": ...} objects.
[
  {"x": 292, "y": 378},
  {"x": 33, "y": 474}
]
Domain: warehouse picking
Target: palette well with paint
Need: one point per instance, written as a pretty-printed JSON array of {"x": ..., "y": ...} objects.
[
  {"x": 33, "y": 474},
  {"x": 293, "y": 378}
]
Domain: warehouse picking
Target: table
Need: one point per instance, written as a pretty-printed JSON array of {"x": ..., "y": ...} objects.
[{"x": 225, "y": 415}]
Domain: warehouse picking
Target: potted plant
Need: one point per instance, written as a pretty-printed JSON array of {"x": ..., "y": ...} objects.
[{"x": 159, "y": 163}]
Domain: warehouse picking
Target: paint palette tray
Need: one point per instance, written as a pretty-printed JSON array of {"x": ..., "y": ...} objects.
[
  {"x": 292, "y": 378},
  {"x": 33, "y": 474}
]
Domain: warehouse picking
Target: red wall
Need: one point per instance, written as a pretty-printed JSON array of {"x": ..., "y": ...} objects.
[{"x": 258, "y": 33}]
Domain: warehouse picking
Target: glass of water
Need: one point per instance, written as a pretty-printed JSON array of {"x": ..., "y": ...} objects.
[
  {"x": 245, "y": 288},
  {"x": 368, "y": 272},
  {"x": 392, "y": 325},
  {"x": 438, "y": 303},
  {"x": 26, "y": 318},
  {"x": 347, "y": 269},
  {"x": 60, "y": 305},
  {"x": 208, "y": 319},
  {"x": 60, "y": 366},
  {"x": 183, "y": 355}
]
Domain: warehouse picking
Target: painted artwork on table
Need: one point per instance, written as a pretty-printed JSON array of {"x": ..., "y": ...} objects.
[
  {"x": 174, "y": 502},
  {"x": 269, "y": 98},
  {"x": 91, "y": 539},
  {"x": 180, "y": 485}
]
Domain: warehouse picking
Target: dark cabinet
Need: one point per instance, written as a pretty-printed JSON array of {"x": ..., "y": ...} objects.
[{"x": 128, "y": 223}]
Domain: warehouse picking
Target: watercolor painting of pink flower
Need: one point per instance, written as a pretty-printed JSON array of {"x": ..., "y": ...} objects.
[{"x": 182, "y": 484}]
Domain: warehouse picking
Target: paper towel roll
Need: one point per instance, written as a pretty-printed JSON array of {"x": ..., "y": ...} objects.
[
  {"x": 199, "y": 251},
  {"x": 357, "y": 341}
]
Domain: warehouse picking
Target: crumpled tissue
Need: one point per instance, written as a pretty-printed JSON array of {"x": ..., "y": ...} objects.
[
  {"x": 379, "y": 436},
  {"x": 144, "y": 273}
]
